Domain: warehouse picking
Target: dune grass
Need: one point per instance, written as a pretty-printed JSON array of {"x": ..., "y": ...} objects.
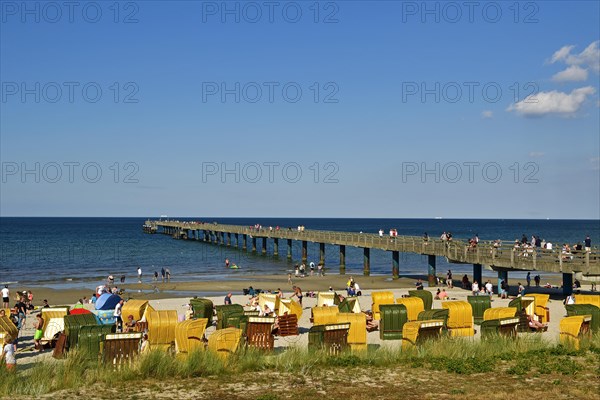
[{"x": 526, "y": 355}]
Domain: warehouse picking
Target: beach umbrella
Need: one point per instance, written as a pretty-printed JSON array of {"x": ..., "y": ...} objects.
[{"x": 107, "y": 301}]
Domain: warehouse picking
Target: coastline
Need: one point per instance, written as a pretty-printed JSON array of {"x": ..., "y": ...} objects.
[{"x": 150, "y": 290}]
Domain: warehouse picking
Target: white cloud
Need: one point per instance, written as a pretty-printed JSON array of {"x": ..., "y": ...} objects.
[
  {"x": 535, "y": 154},
  {"x": 561, "y": 54},
  {"x": 553, "y": 102},
  {"x": 588, "y": 58},
  {"x": 487, "y": 114},
  {"x": 573, "y": 73}
]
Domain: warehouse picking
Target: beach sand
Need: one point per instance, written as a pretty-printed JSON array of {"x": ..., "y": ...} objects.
[
  {"x": 151, "y": 290},
  {"x": 166, "y": 298}
]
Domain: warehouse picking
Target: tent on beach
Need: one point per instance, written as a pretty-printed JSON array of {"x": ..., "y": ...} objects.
[{"x": 107, "y": 301}]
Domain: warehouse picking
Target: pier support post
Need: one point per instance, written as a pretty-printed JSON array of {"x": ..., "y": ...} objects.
[
  {"x": 237, "y": 240},
  {"x": 395, "y": 264},
  {"x": 567, "y": 284},
  {"x": 254, "y": 244},
  {"x": 228, "y": 239},
  {"x": 477, "y": 273},
  {"x": 342, "y": 259},
  {"x": 304, "y": 251},
  {"x": 366, "y": 261},
  {"x": 322, "y": 254},
  {"x": 502, "y": 276},
  {"x": 431, "y": 272},
  {"x": 244, "y": 242},
  {"x": 289, "y": 249},
  {"x": 264, "y": 246},
  {"x": 276, "y": 247}
]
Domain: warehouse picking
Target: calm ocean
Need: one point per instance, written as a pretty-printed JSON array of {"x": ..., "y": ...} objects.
[{"x": 82, "y": 252}]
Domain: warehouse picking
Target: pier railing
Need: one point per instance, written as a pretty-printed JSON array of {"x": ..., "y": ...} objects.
[{"x": 498, "y": 255}]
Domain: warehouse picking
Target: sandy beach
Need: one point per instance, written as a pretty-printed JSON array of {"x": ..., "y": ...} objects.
[
  {"x": 170, "y": 296},
  {"x": 151, "y": 290}
]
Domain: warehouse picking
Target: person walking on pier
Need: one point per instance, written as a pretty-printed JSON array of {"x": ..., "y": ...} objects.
[{"x": 588, "y": 244}]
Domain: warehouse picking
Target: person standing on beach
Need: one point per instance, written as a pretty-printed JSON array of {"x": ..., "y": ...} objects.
[
  {"x": 139, "y": 272},
  {"x": 8, "y": 354},
  {"x": 118, "y": 312},
  {"x": 163, "y": 273},
  {"x": 298, "y": 294},
  {"x": 38, "y": 325},
  {"x": 449, "y": 279},
  {"x": 168, "y": 273},
  {"x": 537, "y": 280},
  {"x": 5, "y": 297},
  {"x": 528, "y": 279}
]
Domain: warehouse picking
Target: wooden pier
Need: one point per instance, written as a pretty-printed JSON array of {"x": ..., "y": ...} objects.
[{"x": 499, "y": 257}]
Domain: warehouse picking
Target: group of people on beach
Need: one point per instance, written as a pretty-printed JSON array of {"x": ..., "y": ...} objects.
[{"x": 300, "y": 270}]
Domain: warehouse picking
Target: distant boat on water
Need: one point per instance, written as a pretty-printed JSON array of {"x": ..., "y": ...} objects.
[{"x": 438, "y": 218}]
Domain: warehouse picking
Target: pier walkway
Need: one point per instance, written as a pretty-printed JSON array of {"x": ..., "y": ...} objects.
[{"x": 502, "y": 257}]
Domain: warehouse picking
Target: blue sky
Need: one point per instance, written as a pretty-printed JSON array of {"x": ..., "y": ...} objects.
[{"x": 406, "y": 109}]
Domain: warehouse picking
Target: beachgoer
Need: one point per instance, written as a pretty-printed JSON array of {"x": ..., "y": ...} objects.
[
  {"x": 537, "y": 280},
  {"x": 489, "y": 288},
  {"x": 155, "y": 276},
  {"x": 528, "y": 279},
  {"x": 475, "y": 288},
  {"x": 130, "y": 324},
  {"x": 419, "y": 284},
  {"x": 320, "y": 269},
  {"x": 38, "y": 325},
  {"x": 21, "y": 310},
  {"x": 163, "y": 273},
  {"x": 111, "y": 279},
  {"x": 533, "y": 324},
  {"x": 443, "y": 295},
  {"x": 569, "y": 300},
  {"x": 357, "y": 289},
  {"x": 46, "y": 305},
  {"x": 118, "y": 311},
  {"x": 297, "y": 271},
  {"x": 227, "y": 263},
  {"x": 465, "y": 282},
  {"x": 266, "y": 311},
  {"x": 449, "y": 279},
  {"x": 145, "y": 345},
  {"x": 312, "y": 268},
  {"x": 168, "y": 273},
  {"x": 8, "y": 354},
  {"x": 122, "y": 278},
  {"x": 227, "y": 300},
  {"x": 504, "y": 289},
  {"x": 521, "y": 290},
  {"x": 290, "y": 279},
  {"x": 5, "y": 297},
  {"x": 298, "y": 294},
  {"x": 437, "y": 294},
  {"x": 139, "y": 272}
]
